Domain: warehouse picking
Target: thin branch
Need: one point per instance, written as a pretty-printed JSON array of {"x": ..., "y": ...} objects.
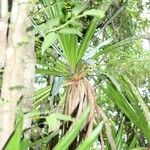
[{"x": 108, "y": 22}]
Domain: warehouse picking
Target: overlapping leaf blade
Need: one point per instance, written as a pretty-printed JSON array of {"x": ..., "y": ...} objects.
[
  {"x": 127, "y": 104},
  {"x": 70, "y": 47},
  {"x": 73, "y": 132},
  {"x": 15, "y": 139},
  {"x": 87, "y": 143}
]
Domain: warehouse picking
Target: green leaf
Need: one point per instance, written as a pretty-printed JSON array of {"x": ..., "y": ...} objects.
[
  {"x": 78, "y": 9},
  {"x": 24, "y": 145},
  {"x": 51, "y": 71},
  {"x": 44, "y": 139},
  {"x": 87, "y": 143},
  {"x": 133, "y": 142},
  {"x": 40, "y": 95},
  {"x": 43, "y": 71},
  {"x": 86, "y": 41},
  {"x": 122, "y": 94},
  {"x": 63, "y": 117},
  {"x": 15, "y": 139},
  {"x": 33, "y": 114},
  {"x": 44, "y": 27},
  {"x": 70, "y": 31},
  {"x": 140, "y": 148},
  {"x": 37, "y": 102},
  {"x": 95, "y": 13},
  {"x": 49, "y": 39},
  {"x": 73, "y": 132},
  {"x": 52, "y": 121},
  {"x": 69, "y": 43},
  {"x": 139, "y": 98},
  {"x": 76, "y": 23},
  {"x": 53, "y": 22},
  {"x": 120, "y": 137}
]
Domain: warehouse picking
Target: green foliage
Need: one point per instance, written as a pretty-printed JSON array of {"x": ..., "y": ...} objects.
[
  {"x": 15, "y": 139},
  {"x": 101, "y": 36},
  {"x": 70, "y": 48},
  {"x": 87, "y": 143},
  {"x": 53, "y": 120},
  {"x": 88, "y": 40},
  {"x": 73, "y": 132},
  {"x": 126, "y": 97},
  {"x": 95, "y": 13},
  {"x": 49, "y": 40}
]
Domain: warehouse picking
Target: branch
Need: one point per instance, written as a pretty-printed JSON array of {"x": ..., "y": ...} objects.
[{"x": 108, "y": 22}]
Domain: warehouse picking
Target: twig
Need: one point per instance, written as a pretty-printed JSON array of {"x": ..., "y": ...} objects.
[{"x": 108, "y": 22}]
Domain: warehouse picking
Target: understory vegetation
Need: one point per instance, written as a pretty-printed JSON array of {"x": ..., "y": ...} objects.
[{"x": 92, "y": 76}]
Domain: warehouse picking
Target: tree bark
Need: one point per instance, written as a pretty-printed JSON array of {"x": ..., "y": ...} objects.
[
  {"x": 17, "y": 81},
  {"x": 28, "y": 73},
  {"x": 3, "y": 30}
]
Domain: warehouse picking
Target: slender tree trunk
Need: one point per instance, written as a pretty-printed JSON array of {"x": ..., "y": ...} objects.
[
  {"x": 3, "y": 30},
  {"x": 28, "y": 73},
  {"x": 16, "y": 79}
]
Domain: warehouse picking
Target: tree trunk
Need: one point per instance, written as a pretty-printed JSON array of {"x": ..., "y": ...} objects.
[
  {"x": 16, "y": 79},
  {"x": 3, "y": 30},
  {"x": 28, "y": 73}
]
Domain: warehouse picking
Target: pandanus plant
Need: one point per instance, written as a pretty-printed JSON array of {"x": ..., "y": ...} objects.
[
  {"x": 65, "y": 38},
  {"x": 70, "y": 53},
  {"x": 80, "y": 92}
]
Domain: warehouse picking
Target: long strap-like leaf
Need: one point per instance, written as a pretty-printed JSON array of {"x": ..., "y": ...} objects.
[
  {"x": 90, "y": 140},
  {"x": 73, "y": 132},
  {"x": 86, "y": 42}
]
